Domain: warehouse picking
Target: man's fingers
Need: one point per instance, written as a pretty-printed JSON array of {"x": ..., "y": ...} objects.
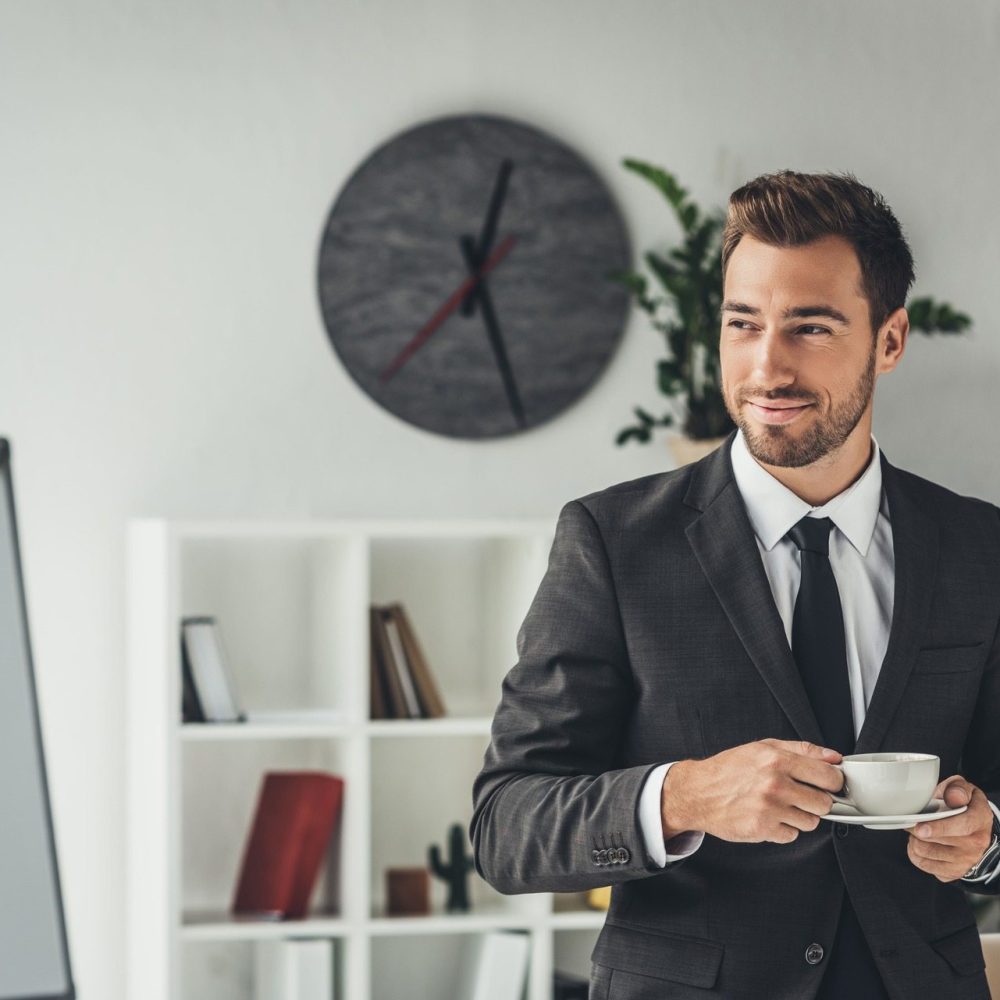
[
  {"x": 956, "y": 791},
  {"x": 952, "y": 828},
  {"x": 955, "y": 795},
  {"x": 932, "y": 852},
  {"x": 938, "y": 838},
  {"x": 819, "y": 773},
  {"x": 802, "y": 747},
  {"x": 943, "y": 870},
  {"x": 800, "y": 819}
]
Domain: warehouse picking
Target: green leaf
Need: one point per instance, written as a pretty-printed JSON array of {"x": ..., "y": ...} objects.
[
  {"x": 637, "y": 284},
  {"x": 699, "y": 241},
  {"x": 667, "y": 185},
  {"x": 928, "y": 316},
  {"x": 639, "y": 433},
  {"x": 669, "y": 276},
  {"x": 670, "y": 378},
  {"x": 919, "y": 311}
]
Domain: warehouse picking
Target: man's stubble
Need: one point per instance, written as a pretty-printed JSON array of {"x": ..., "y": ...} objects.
[{"x": 774, "y": 446}]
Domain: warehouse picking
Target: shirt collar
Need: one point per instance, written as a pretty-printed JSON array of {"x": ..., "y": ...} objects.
[{"x": 774, "y": 509}]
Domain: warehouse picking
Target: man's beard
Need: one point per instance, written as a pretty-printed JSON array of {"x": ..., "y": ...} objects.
[{"x": 774, "y": 446}]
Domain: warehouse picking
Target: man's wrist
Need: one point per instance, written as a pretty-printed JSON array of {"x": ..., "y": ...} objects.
[
  {"x": 990, "y": 855},
  {"x": 675, "y": 814}
]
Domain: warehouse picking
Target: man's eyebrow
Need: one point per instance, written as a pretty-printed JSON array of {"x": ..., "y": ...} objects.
[{"x": 797, "y": 312}]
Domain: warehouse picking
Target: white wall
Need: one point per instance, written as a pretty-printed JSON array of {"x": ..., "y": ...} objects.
[{"x": 166, "y": 170}]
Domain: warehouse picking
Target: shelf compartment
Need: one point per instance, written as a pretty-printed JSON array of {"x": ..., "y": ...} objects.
[
  {"x": 224, "y": 970},
  {"x": 419, "y": 788},
  {"x": 408, "y": 966},
  {"x": 466, "y": 598},
  {"x": 220, "y": 786},
  {"x": 291, "y": 612}
]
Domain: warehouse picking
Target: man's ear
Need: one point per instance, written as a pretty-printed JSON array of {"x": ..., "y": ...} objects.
[{"x": 892, "y": 340}]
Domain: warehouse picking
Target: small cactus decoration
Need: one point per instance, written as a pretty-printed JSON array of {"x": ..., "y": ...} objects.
[{"x": 455, "y": 873}]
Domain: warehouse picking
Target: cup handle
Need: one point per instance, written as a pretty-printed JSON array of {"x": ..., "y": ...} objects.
[{"x": 845, "y": 797}]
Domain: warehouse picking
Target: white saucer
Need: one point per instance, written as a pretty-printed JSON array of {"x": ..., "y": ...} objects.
[{"x": 935, "y": 809}]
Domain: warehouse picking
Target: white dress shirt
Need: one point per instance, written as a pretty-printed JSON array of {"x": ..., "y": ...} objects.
[{"x": 861, "y": 557}]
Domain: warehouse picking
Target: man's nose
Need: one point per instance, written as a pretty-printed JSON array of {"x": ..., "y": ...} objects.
[{"x": 773, "y": 363}]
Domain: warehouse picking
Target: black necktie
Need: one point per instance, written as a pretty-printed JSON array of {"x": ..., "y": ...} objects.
[
  {"x": 818, "y": 643},
  {"x": 820, "y": 651}
]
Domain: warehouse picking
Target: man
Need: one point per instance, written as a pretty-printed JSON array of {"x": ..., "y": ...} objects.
[{"x": 708, "y": 642}]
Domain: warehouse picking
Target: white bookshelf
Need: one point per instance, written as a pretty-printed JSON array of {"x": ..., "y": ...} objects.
[{"x": 292, "y": 602}]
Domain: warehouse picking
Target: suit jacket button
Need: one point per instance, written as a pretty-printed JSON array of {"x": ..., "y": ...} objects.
[
  {"x": 814, "y": 954},
  {"x": 623, "y": 855},
  {"x": 595, "y": 856},
  {"x": 603, "y": 857}
]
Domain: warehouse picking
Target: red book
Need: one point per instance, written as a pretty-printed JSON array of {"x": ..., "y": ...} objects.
[{"x": 296, "y": 814}]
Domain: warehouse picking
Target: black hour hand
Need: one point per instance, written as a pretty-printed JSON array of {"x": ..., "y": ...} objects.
[{"x": 489, "y": 230}]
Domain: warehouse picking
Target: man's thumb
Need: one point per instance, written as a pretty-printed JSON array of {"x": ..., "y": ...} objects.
[{"x": 959, "y": 795}]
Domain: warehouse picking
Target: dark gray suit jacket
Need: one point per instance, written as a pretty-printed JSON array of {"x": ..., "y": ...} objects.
[{"x": 654, "y": 637}]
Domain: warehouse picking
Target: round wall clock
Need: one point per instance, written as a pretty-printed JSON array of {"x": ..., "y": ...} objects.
[{"x": 464, "y": 276}]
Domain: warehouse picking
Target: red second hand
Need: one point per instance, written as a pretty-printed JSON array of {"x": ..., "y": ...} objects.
[{"x": 447, "y": 308}]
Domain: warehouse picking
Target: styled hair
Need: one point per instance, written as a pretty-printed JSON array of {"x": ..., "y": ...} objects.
[{"x": 789, "y": 209}]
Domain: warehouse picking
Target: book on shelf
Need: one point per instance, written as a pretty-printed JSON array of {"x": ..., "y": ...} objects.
[
  {"x": 402, "y": 685},
  {"x": 294, "y": 969},
  {"x": 378, "y": 697},
  {"x": 393, "y": 703},
  {"x": 208, "y": 694},
  {"x": 296, "y": 814},
  {"x": 427, "y": 689},
  {"x": 401, "y": 665},
  {"x": 496, "y": 967}
]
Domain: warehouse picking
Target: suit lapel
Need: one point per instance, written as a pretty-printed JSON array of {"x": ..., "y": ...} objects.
[
  {"x": 724, "y": 544},
  {"x": 915, "y": 551}
]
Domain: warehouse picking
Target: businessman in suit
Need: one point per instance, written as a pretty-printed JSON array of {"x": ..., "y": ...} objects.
[{"x": 708, "y": 642}]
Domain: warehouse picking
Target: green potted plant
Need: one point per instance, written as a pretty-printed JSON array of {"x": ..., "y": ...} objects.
[{"x": 682, "y": 295}]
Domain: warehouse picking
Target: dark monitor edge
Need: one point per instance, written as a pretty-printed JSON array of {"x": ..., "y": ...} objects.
[{"x": 8, "y": 485}]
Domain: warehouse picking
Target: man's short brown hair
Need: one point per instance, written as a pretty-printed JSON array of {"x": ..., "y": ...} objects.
[{"x": 789, "y": 209}]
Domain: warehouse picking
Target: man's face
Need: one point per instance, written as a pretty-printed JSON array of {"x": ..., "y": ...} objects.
[{"x": 797, "y": 352}]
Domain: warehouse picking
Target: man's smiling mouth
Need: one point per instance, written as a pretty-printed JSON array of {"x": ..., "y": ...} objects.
[{"x": 777, "y": 411}]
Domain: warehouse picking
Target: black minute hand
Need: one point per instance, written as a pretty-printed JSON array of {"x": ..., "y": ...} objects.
[{"x": 493, "y": 331}]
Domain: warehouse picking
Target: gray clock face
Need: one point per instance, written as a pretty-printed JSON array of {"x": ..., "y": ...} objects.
[{"x": 464, "y": 276}]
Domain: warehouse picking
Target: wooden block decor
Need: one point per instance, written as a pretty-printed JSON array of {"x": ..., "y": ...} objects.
[{"x": 408, "y": 892}]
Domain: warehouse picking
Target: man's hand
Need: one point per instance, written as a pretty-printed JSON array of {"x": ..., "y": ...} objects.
[
  {"x": 948, "y": 848},
  {"x": 768, "y": 790}
]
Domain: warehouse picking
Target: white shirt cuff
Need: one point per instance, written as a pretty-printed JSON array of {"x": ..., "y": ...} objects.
[
  {"x": 989, "y": 876},
  {"x": 681, "y": 846}
]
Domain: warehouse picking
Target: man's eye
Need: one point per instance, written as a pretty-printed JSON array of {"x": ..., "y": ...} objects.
[
  {"x": 738, "y": 323},
  {"x": 813, "y": 329}
]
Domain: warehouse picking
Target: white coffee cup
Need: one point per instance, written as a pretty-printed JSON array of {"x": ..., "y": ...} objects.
[{"x": 888, "y": 784}]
